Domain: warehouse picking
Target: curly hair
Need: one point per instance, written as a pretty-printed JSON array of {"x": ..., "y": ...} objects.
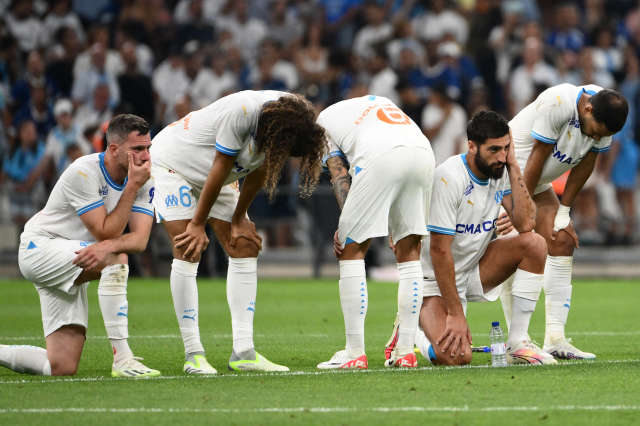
[{"x": 287, "y": 128}]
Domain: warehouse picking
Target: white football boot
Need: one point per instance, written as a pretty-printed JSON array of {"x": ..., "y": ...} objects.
[
  {"x": 527, "y": 352},
  {"x": 342, "y": 360},
  {"x": 133, "y": 368},
  {"x": 563, "y": 349}
]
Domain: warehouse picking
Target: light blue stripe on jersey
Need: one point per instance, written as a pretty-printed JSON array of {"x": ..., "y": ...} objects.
[
  {"x": 136, "y": 209},
  {"x": 506, "y": 192},
  {"x": 606, "y": 148},
  {"x": 441, "y": 230},
  {"x": 105, "y": 173},
  {"x": 473, "y": 177},
  {"x": 541, "y": 138},
  {"x": 89, "y": 207},
  {"x": 331, "y": 155},
  {"x": 225, "y": 150}
]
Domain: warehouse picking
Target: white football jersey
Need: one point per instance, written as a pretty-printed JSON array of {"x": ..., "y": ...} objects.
[
  {"x": 189, "y": 145},
  {"x": 553, "y": 119},
  {"x": 85, "y": 185},
  {"x": 363, "y": 128},
  {"x": 466, "y": 207}
]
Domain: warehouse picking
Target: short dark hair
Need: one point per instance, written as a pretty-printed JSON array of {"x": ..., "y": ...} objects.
[
  {"x": 610, "y": 108},
  {"x": 486, "y": 125},
  {"x": 121, "y": 125}
]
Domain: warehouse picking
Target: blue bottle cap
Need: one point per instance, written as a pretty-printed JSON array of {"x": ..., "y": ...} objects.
[{"x": 495, "y": 323}]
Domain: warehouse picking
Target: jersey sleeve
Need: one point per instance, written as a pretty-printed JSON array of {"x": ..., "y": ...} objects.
[
  {"x": 603, "y": 145},
  {"x": 445, "y": 200},
  {"x": 143, "y": 202},
  {"x": 231, "y": 135},
  {"x": 553, "y": 114},
  {"x": 82, "y": 190},
  {"x": 333, "y": 150}
]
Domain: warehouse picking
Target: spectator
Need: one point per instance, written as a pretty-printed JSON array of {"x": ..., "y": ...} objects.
[
  {"x": 281, "y": 69},
  {"x": 24, "y": 26},
  {"x": 213, "y": 82},
  {"x": 135, "y": 86},
  {"x": 410, "y": 101},
  {"x": 60, "y": 16},
  {"x": 533, "y": 72},
  {"x": 439, "y": 20},
  {"x": 22, "y": 159},
  {"x": 97, "y": 73},
  {"x": 339, "y": 17},
  {"x": 566, "y": 34},
  {"x": 312, "y": 62},
  {"x": 383, "y": 78},
  {"x": 444, "y": 123},
  {"x": 34, "y": 76},
  {"x": 63, "y": 136},
  {"x": 375, "y": 32},
  {"x": 284, "y": 26},
  {"x": 113, "y": 65},
  {"x": 590, "y": 74},
  {"x": 606, "y": 55},
  {"x": 37, "y": 110},
  {"x": 91, "y": 114},
  {"x": 170, "y": 83},
  {"x": 61, "y": 57},
  {"x": 247, "y": 32}
]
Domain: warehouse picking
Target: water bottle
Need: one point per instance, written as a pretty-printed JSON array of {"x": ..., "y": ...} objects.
[{"x": 498, "y": 346}]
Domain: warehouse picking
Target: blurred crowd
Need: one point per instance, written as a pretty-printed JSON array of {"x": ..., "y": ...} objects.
[{"x": 67, "y": 66}]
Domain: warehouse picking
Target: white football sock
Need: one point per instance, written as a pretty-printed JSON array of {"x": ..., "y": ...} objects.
[
  {"x": 506, "y": 298},
  {"x": 112, "y": 296},
  {"x": 242, "y": 284},
  {"x": 184, "y": 290},
  {"x": 409, "y": 304},
  {"x": 423, "y": 343},
  {"x": 354, "y": 300},
  {"x": 526, "y": 290},
  {"x": 557, "y": 292},
  {"x": 25, "y": 359}
]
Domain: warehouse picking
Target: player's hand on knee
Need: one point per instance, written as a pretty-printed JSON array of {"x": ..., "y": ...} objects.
[
  {"x": 246, "y": 229},
  {"x": 92, "y": 256},
  {"x": 138, "y": 175},
  {"x": 456, "y": 336},
  {"x": 503, "y": 224},
  {"x": 569, "y": 229},
  {"x": 337, "y": 247},
  {"x": 194, "y": 240}
]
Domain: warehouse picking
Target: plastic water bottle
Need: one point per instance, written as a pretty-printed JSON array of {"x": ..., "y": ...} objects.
[{"x": 498, "y": 346}]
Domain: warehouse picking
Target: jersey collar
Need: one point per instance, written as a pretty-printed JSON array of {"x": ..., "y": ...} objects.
[
  {"x": 473, "y": 177},
  {"x": 105, "y": 173},
  {"x": 583, "y": 90}
]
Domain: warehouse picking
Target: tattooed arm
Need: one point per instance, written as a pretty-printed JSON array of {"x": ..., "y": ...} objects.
[
  {"x": 519, "y": 204},
  {"x": 340, "y": 179}
]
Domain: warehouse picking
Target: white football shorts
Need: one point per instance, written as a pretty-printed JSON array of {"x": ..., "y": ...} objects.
[
  {"x": 176, "y": 199},
  {"x": 468, "y": 285},
  {"x": 389, "y": 195},
  {"x": 48, "y": 264}
]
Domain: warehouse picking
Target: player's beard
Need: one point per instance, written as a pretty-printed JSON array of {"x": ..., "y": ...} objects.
[{"x": 493, "y": 171}]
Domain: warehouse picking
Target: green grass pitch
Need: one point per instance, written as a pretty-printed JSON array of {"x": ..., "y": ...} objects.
[{"x": 299, "y": 323}]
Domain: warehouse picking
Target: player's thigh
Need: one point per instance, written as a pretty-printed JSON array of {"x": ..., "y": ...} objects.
[
  {"x": 61, "y": 307},
  {"x": 64, "y": 348},
  {"x": 243, "y": 247},
  {"x": 500, "y": 260}
]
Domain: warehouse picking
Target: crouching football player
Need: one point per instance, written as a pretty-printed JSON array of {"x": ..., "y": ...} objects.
[
  {"x": 78, "y": 237},
  {"x": 464, "y": 264}
]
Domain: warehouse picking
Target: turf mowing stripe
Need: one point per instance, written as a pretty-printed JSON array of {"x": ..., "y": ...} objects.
[
  {"x": 308, "y": 373},
  {"x": 464, "y": 408},
  {"x": 312, "y": 335}
]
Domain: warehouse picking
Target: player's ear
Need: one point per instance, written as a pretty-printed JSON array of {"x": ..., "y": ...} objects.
[{"x": 472, "y": 146}]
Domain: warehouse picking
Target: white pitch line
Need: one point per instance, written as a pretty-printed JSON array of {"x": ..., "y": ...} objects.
[
  {"x": 164, "y": 336},
  {"x": 310, "y": 335},
  {"x": 318, "y": 410},
  {"x": 303, "y": 373}
]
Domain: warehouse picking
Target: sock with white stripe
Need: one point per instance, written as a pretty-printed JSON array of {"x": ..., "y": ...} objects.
[
  {"x": 25, "y": 359},
  {"x": 112, "y": 297},
  {"x": 184, "y": 290},
  {"x": 526, "y": 290},
  {"x": 409, "y": 304},
  {"x": 354, "y": 300},
  {"x": 242, "y": 285},
  {"x": 557, "y": 292}
]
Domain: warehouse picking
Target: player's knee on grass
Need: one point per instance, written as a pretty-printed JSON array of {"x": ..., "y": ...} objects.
[
  {"x": 443, "y": 358},
  {"x": 63, "y": 366}
]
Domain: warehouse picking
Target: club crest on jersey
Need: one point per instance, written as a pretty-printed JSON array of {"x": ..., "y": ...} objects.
[
  {"x": 469, "y": 188},
  {"x": 171, "y": 200},
  {"x": 103, "y": 190},
  {"x": 562, "y": 158}
]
